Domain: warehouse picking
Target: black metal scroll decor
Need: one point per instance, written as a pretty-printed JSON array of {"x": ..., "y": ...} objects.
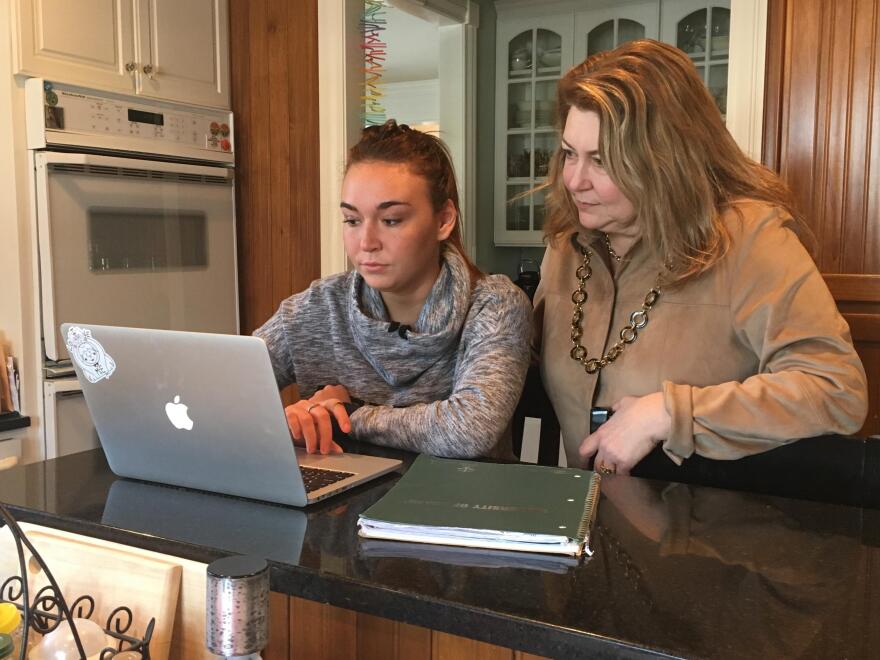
[{"x": 48, "y": 609}]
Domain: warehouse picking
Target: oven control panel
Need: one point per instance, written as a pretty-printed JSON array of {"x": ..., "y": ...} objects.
[{"x": 59, "y": 114}]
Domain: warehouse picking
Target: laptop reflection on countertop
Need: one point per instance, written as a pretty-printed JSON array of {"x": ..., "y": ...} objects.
[{"x": 244, "y": 527}]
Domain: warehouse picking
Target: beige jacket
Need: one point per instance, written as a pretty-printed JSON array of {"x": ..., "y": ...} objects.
[{"x": 749, "y": 356}]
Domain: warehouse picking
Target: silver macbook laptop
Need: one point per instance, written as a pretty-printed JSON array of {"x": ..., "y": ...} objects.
[{"x": 202, "y": 411}]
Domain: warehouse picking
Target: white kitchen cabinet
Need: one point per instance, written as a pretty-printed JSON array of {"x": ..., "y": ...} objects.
[
  {"x": 532, "y": 53},
  {"x": 175, "y": 50},
  {"x": 68, "y": 424},
  {"x": 87, "y": 41},
  {"x": 605, "y": 28},
  {"x": 701, "y": 28},
  {"x": 186, "y": 48}
]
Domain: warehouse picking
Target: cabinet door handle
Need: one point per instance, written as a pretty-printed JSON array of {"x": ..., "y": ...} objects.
[
  {"x": 131, "y": 67},
  {"x": 149, "y": 71}
]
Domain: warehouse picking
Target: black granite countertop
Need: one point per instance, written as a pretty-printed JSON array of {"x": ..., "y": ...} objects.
[{"x": 677, "y": 570}]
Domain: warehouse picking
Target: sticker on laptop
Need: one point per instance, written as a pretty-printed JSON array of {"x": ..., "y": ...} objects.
[{"x": 88, "y": 353}]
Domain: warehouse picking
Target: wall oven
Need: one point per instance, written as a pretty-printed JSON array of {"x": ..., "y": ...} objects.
[{"x": 134, "y": 209}]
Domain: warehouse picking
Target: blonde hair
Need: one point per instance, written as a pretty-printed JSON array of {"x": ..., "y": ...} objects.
[{"x": 663, "y": 142}]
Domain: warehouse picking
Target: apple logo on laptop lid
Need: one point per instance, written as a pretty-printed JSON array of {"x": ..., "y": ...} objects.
[{"x": 177, "y": 413}]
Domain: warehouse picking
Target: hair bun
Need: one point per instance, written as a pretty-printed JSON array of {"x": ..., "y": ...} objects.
[{"x": 389, "y": 129}]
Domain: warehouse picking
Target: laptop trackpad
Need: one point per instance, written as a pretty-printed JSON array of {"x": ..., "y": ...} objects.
[{"x": 356, "y": 463}]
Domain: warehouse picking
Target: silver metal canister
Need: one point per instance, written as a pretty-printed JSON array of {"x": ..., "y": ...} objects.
[{"x": 237, "y": 606}]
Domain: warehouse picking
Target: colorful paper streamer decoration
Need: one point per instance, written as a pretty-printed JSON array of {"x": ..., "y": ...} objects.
[{"x": 372, "y": 25}]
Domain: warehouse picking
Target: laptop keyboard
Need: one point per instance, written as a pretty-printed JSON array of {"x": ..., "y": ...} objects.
[{"x": 315, "y": 478}]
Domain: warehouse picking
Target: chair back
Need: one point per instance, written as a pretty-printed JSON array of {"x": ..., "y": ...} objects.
[{"x": 535, "y": 403}]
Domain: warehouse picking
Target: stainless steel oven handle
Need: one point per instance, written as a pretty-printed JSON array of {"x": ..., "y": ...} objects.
[{"x": 47, "y": 157}]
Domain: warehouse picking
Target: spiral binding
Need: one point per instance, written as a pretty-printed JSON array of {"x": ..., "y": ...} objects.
[
  {"x": 48, "y": 609},
  {"x": 590, "y": 504}
]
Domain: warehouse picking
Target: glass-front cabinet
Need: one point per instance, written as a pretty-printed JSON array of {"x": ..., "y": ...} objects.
[
  {"x": 702, "y": 30},
  {"x": 596, "y": 30},
  {"x": 531, "y": 56},
  {"x": 537, "y": 42}
]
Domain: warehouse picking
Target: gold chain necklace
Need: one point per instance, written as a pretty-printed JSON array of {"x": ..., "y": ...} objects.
[
  {"x": 629, "y": 333},
  {"x": 611, "y": 251}
]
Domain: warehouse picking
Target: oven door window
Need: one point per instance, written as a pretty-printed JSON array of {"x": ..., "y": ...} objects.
[{"x": 146, "y": 239}]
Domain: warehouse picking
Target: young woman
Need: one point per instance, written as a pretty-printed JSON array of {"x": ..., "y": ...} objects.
[
  {"x": 415, "y": 348},
  {"x": 675, "y": 290}
]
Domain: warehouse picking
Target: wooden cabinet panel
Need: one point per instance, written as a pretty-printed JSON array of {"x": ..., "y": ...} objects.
[
  {"x": 274, "y": 74},
  {"x": 377, "y": 639},
  {"x": 279, "y": 628},
  {"x": 324, "y": 632},
  {"x": 858, "y": 297},
  {"x": 452, "y": 647},
  {"x": 869, "y": 626},
  {"x": 412, "y": 641},
  {"x": 870, "y": 354},
  {"x": 383, "y": 639},
  {"x": 321, "y": 632},
  {"x": 822, "y": 134}
]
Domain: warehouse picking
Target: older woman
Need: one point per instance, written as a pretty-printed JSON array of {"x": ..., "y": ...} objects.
[{"x": 675, "y": 290}]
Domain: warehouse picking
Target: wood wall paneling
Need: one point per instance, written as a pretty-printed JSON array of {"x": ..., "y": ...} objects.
[
  {"x": 452, "y": 647},
  {"x": 275, "y": 112},
  {"x": 279, "y": 629},
  {"x": 822, "y": 134},
  {"x": 274, "y": 81},
  {"x": 274, "y": 84},
  {"x": 383, "y": 639},
  {"x": 305, "y": 208},
  {"x": 872, "y": 612},
  {"x": 872, "y": 176},
  {"x": 319, "y": 631},
  {"x": 858, "y": 297},
  {"x": 773, "y": 83}
]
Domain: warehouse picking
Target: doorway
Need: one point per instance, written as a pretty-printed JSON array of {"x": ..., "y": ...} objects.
[{"x": 425, "y": 90}]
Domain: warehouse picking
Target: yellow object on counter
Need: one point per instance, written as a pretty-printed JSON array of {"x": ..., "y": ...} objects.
[{"x": 10, "y": 618}]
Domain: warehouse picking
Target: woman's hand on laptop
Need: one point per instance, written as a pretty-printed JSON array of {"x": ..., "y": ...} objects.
[{"x": 309, "y": 419}]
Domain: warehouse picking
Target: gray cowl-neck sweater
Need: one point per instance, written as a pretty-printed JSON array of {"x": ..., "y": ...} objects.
[{"x": 446, "y": 386}]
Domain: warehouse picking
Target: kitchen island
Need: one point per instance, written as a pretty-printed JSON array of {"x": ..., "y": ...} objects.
[{"x": 676, "y": 570}]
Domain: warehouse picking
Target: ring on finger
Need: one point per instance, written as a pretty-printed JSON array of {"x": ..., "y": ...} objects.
[
  {"x": 338, "y": 403},
  {"x": 314, "y": 405},
  {"x": 607, "y": 469}
]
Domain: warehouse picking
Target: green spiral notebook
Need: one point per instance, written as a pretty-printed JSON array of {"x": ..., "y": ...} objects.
[{"x": 528, "y": 508}]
